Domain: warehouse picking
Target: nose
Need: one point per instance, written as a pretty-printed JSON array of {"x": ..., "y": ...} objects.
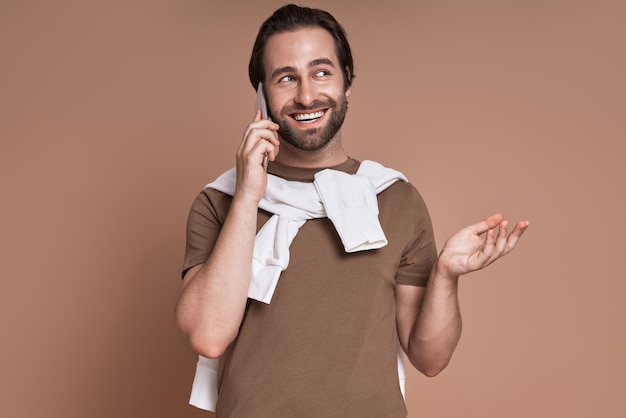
[{"x": 306, "y": 92}]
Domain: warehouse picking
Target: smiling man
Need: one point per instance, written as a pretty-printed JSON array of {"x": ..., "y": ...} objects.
[
  {"x": 302, "y": 280},
  {"x": 308, "y": 98}
]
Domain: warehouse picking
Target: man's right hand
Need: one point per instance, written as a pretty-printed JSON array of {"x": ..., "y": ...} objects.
[{"x": 259, "y": 139}]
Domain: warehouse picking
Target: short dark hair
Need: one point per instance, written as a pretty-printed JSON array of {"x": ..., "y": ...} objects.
[{"x": 292, "y": 17}]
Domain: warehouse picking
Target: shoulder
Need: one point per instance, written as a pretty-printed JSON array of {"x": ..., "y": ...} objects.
[
  {"x": 211, "y": 203},
  {"x": 402, "y": 192},
  {"x": 402, "y": 204}
]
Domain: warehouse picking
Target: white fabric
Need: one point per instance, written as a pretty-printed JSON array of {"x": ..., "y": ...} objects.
[
  {"x": 349, "y": 201},
  {"x": 204, "y": 388}
]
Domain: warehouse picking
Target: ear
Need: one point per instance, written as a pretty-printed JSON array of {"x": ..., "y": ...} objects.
[{"x": 349, "y": 89}]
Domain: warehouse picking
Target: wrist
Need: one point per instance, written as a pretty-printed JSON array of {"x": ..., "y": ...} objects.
[
  {"x": 442, "y": 271},
  {"x": 245, "y": 201}
]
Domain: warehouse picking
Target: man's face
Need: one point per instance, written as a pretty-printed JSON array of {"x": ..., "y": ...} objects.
[{"x": 304, "y": 87}]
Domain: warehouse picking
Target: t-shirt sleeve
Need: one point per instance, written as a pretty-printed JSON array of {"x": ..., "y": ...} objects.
[
  {"x": 420, "y": 254},
  {"x": 204, "y": 223}
]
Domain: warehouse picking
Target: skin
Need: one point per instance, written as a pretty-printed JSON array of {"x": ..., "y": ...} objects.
[
  {"x": 428, "y": 318},
  {"x": 303, "y": 72}
]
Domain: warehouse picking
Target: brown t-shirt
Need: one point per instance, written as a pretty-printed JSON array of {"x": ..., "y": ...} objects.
[{"x": 326, "y": 344}]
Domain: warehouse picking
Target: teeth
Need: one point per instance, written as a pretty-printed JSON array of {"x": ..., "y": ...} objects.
[{"x": 308, "y": 116}]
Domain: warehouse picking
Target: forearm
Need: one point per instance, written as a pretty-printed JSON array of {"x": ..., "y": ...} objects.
[
  {"x": 213, "y": 300},
  {"x": 437, "y": 327},
  {"x": 429, "y": 320}
]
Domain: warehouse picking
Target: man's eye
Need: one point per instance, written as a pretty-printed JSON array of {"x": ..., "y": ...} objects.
[
  {"x": 286, "y": 78},
  {"x": 322, "y": 73}
]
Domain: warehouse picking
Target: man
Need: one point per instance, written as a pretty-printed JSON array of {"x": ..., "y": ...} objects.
[{"x": 324, "y": 343}]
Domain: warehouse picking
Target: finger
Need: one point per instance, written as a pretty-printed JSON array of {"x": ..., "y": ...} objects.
[
  {"x": 266, "y": 146},
  {"x": 262, "y": 131},
  {"x": 488, "y": 246},
  {"x": 260, "y": 125},
  {"x": 487, "y": 224},
  {"x": 501, "y": 242},
  {"x": 271, "y": 155},
  {"x": 516, "y": 234},
  {"x": 265, "y": 138}
]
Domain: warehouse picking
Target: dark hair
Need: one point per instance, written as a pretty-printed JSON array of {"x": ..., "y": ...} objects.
[{"x": 292, "y": 17}]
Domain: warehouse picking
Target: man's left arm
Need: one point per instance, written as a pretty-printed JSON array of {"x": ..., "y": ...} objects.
[{"x": 428, "y": 318}]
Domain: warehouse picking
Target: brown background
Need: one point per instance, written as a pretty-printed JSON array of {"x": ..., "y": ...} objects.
[{"x": 114, "y": 114}]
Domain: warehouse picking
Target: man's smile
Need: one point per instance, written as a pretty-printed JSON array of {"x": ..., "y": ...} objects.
[{"x": 308, "y": 117}]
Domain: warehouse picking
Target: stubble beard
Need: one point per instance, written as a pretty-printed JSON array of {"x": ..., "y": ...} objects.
[{"x": 315, "y": 138}]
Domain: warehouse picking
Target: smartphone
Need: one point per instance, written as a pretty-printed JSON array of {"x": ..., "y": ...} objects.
[{"x": 260, "y": 103}]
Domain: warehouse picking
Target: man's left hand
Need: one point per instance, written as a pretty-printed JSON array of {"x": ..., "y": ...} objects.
[{"x": 476, "y": 246}]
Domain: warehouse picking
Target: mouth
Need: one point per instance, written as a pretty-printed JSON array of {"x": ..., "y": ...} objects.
[{"x": 309, "y": 117}]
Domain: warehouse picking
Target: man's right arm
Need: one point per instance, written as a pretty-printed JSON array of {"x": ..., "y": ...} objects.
[{"x": 213, "y": 299}]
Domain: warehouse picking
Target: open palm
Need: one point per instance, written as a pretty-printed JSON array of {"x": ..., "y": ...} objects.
[{"x": 476, "y": 246}]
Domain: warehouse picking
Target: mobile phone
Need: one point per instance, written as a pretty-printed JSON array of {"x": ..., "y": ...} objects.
[{"x": 260, "y": 103}]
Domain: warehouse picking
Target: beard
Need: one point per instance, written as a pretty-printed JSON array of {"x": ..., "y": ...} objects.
[{"x": 315, "y": 138}]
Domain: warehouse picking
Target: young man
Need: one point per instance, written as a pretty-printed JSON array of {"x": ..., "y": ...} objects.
[{"x": 322, "y": 341}]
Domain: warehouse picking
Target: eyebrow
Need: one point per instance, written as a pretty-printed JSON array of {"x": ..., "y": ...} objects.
[{"x": 314, "y": 63}]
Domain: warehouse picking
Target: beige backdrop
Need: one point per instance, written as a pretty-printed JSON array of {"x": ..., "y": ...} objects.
[{"x": 114, "y": 114}]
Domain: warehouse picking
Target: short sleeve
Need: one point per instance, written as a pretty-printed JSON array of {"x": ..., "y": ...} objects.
[
  {"x": 204, "y": 223},
  {"x": 420, "y": 254}
]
